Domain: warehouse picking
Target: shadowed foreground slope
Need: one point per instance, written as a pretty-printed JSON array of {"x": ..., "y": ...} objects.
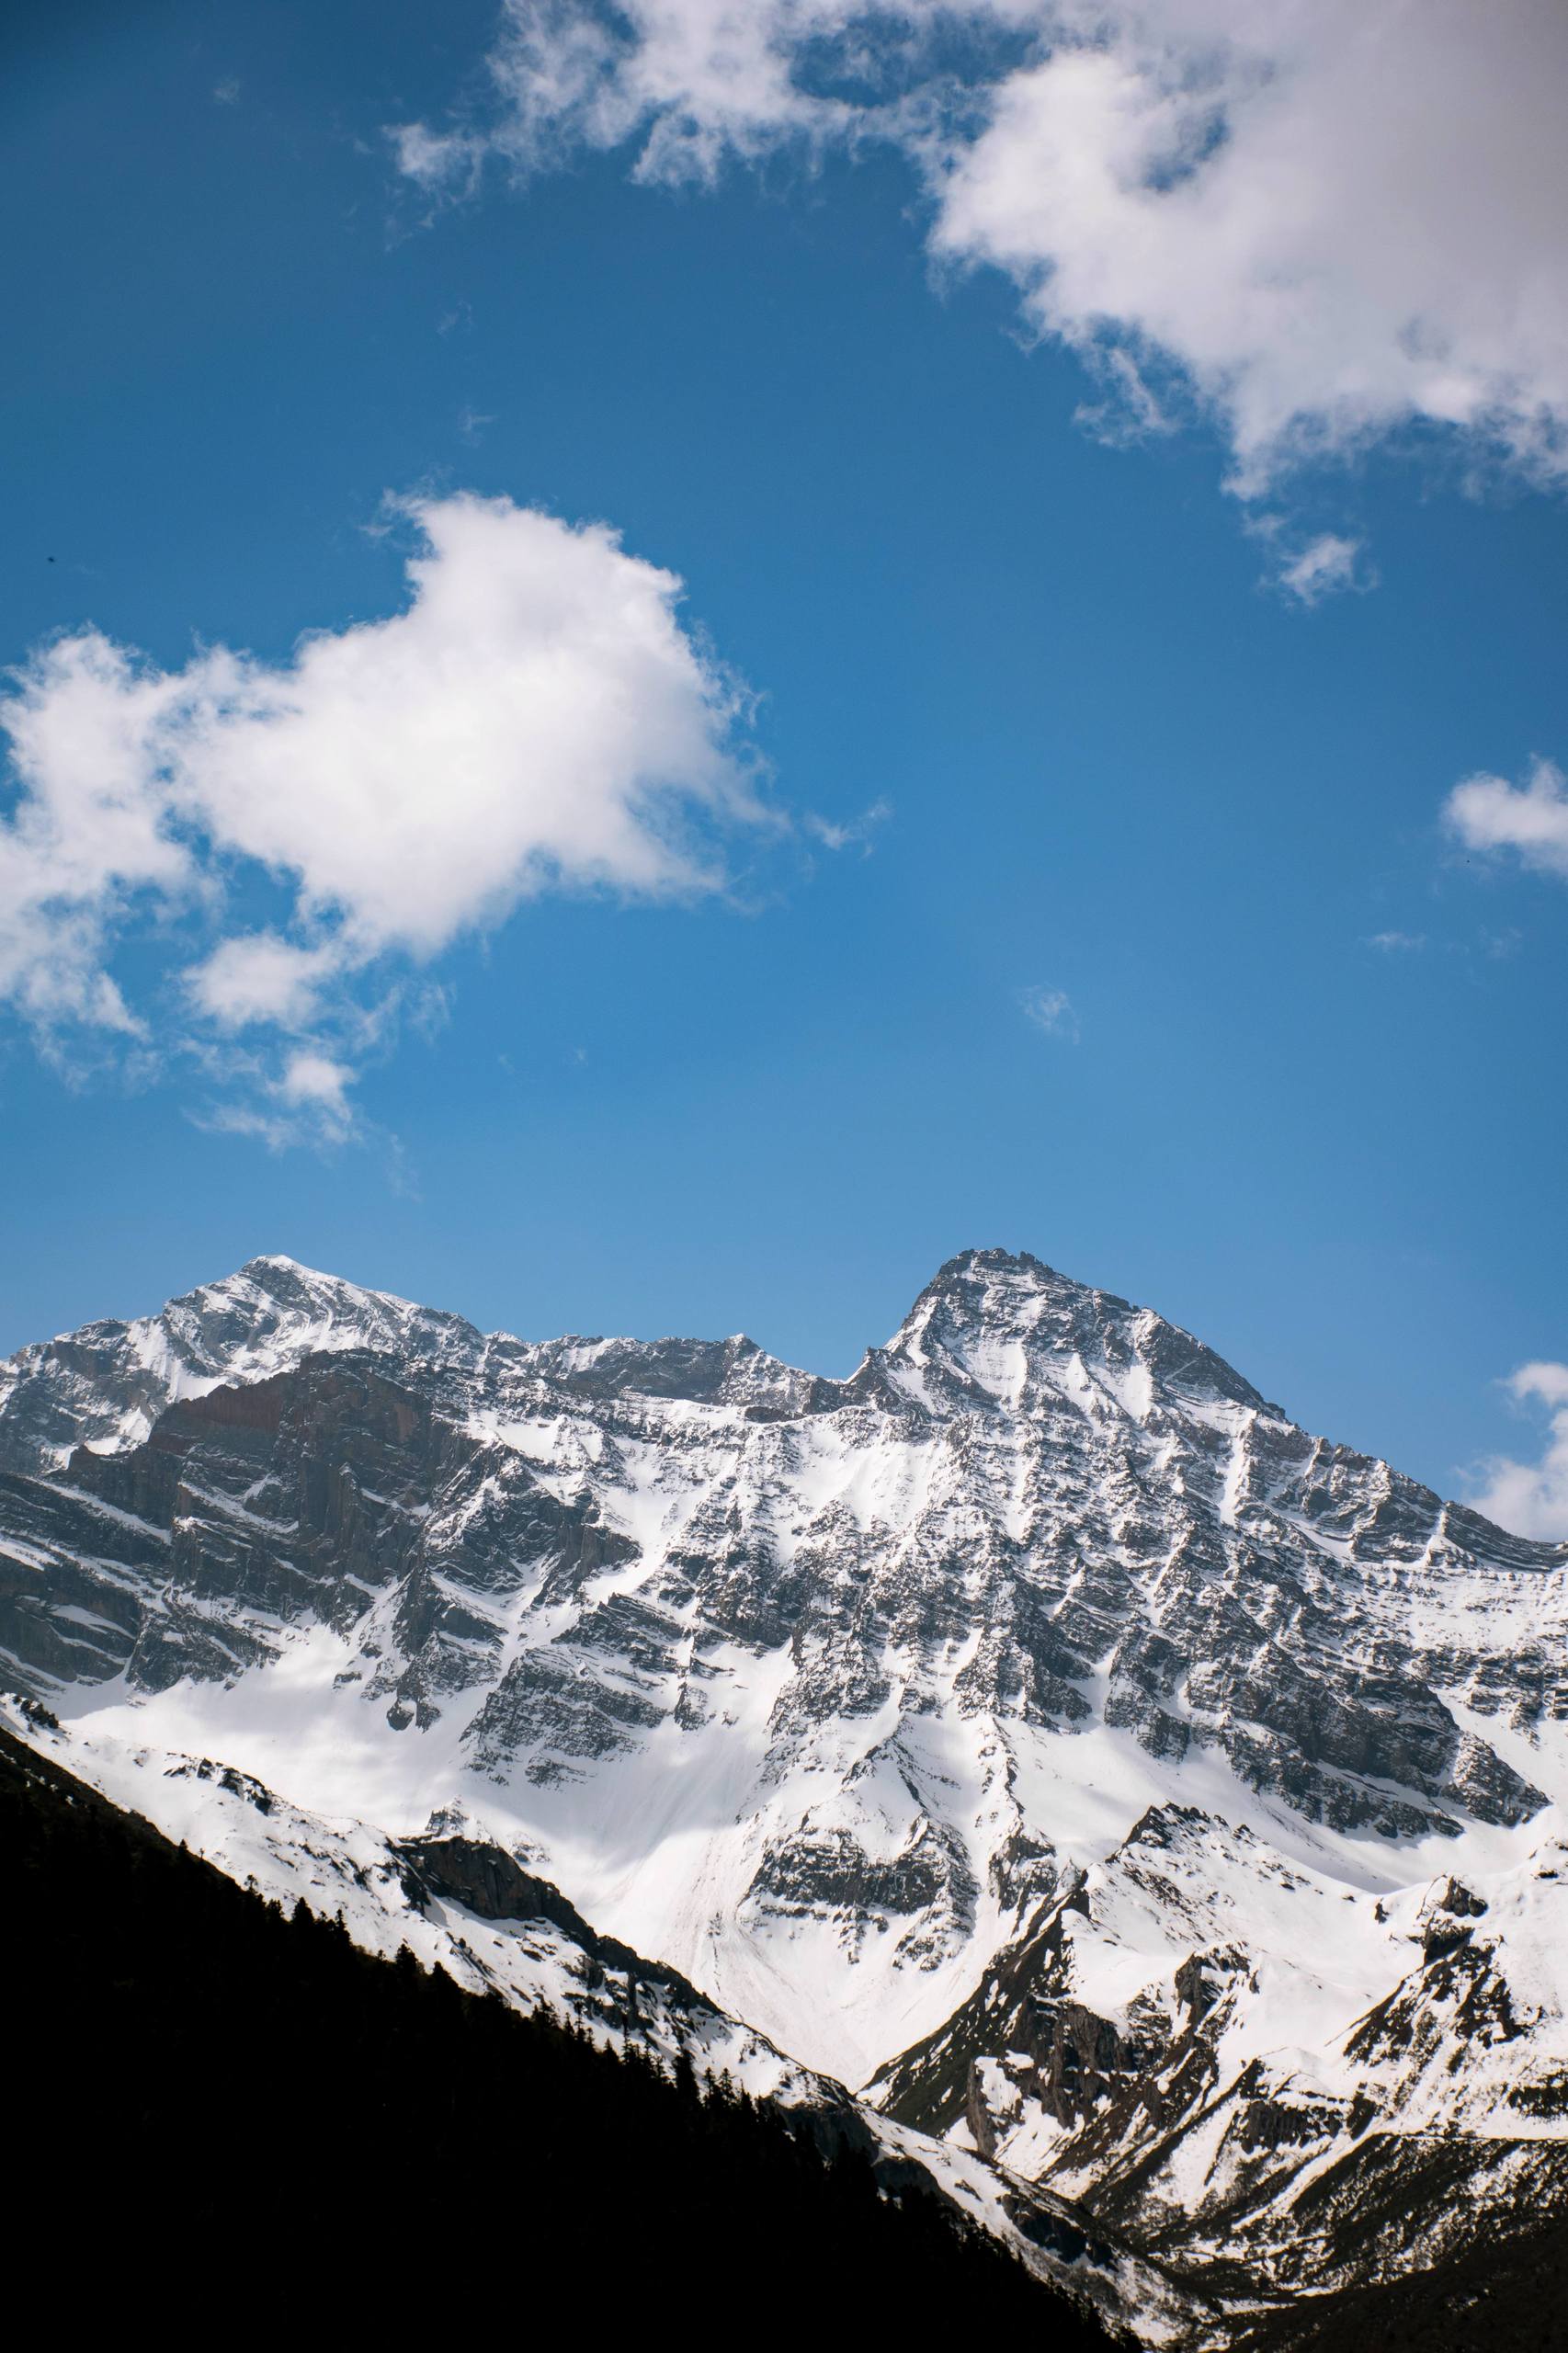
[{"x": 226, "y": 2104}]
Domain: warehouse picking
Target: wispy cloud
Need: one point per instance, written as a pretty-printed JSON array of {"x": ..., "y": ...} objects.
[
  {"x": 1326, "y": 566},
  {"x": 1532, "y": 1498},
  {"x": 440, "y": 163},
  {"x": 852, "y": 833},
  {"x": 1397, "y": 943},
  {"x": 306, "y": 1102},
  {"x": 536, "y": 719},
  {"x": 1051, "y": 1010}
]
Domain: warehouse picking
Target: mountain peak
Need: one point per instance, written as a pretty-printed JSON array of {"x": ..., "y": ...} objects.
[
  {"x": 1000, "y": 1317},
  {"x": 274, "y": 1271},
  {"x": 105, "y": 1386},
  {"x": 993, "y": 1260}
]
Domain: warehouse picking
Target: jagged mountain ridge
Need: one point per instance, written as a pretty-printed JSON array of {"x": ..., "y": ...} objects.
[
  {"x": 827, "y": 1693},
  {"x": 105, "y": 1385}
]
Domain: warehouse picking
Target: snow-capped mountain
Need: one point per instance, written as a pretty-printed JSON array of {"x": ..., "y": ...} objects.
[{"x": 1037, "y": 1727}]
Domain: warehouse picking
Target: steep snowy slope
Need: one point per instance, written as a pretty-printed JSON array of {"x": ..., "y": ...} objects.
[
  {"x": 460, "y": 1902},
  {"x": 1266, "y": 2072},
  {"x": 1042, "y": 1654}
]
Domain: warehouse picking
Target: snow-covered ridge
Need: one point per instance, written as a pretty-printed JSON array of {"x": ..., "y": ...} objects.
[
  {"x": 105, "y": 1385},
  {"x": 1199, "y": 2030}
]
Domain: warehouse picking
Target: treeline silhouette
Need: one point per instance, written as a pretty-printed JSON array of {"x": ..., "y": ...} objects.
[{"x": 221, "y": 2115}]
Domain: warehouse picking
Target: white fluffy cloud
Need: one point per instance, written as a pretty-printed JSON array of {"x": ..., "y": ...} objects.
[
  {"x": 1530, "y": 819},
  {"x": 535, "y": 718},
  {"x": 1532, "y": 1498},
  {"x": 1323, "y": 221},
  {"x": 258, "y": 977}
]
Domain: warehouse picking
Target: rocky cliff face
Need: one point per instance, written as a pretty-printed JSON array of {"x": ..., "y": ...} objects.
[
  {"x": 1276, "y": 2078},
  {"x": 1037, "y": 1723}
]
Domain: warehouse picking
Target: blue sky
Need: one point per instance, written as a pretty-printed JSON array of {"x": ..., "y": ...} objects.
[{"x": 1032, "y": 899}]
